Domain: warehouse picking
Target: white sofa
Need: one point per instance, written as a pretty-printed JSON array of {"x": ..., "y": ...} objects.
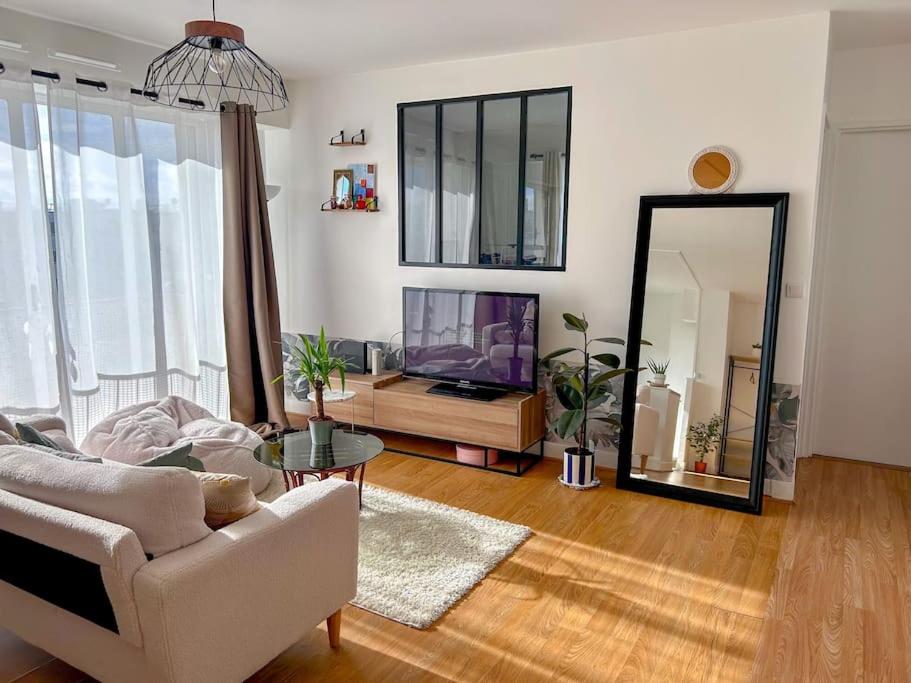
[{"x": 205, "y": 606}]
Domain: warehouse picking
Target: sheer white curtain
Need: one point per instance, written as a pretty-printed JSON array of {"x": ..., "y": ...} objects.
[
  {"x": 137, "y": 214},
  {"x": 28, "y": 372}
]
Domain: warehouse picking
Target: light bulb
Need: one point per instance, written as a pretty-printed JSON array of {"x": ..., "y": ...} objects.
[{"x": 218, "y": 63}]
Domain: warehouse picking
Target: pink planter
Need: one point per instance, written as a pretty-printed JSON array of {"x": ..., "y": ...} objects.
[{"x": 474, "y": 455}]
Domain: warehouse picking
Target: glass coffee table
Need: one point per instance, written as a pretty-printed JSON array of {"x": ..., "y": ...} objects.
[{"x": 295, "y": 455}]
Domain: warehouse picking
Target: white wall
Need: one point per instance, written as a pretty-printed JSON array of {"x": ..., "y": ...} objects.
[
  {"x": 641, "y": 108},
  {"x": 746, "y": 326},
  {"x": 870, "y": 85}
]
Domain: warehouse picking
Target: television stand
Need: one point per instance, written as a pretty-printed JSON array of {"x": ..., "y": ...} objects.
[
  {"x": 514, "y": 423},
  {"x": 467, "y": 391}
]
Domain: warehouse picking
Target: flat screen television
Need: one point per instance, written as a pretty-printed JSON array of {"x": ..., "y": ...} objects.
[{"x": 478, "y": 344}]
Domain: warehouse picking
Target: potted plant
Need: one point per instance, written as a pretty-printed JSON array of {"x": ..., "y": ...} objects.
[
  {"x": 704, "y": 438},
  {"x": 317, "y": 366},
  {"x": 659, "y": 371},
  {"x": 580, "y": 388},
  {"x": 517, "y": 324}
]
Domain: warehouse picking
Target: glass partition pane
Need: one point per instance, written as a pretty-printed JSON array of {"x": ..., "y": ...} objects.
[
  {"x": 460, "y": 205},
  {"x": 545, "y": 180},
  {"x": 500, "y": 181},
  {"x": 419, "y": 133}
]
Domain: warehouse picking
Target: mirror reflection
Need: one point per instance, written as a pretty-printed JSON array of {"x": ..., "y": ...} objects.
[
  {"x": 696, "y": 404},
  {"x": 545, "y": 176}
]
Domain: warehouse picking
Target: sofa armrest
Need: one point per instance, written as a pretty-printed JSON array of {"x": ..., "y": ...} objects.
[
  {"x": 222, "y": 608},
  {"x": 114, "y": 549},
  {"x": 487, "y": 336}
]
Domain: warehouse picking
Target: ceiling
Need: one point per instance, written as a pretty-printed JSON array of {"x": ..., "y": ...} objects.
[{"x": 312, "y": 38}]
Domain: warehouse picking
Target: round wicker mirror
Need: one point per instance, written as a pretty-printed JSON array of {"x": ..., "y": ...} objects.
[{"x": 713, "y": 170}]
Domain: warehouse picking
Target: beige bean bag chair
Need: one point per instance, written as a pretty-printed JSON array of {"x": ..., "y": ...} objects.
[{"x": 143, "y": 431}]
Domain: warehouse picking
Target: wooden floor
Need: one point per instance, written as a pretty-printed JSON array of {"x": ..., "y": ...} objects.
[{"x": 615, "y": 585}]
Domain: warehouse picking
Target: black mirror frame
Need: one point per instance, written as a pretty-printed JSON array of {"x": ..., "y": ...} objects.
[
  {"x": 778, "y": 202},
  {"x": 523, "y": 96}
]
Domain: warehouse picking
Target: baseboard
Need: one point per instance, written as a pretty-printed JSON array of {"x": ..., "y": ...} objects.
[
  {"x": 778, "y": 489},
  {"x": 607, "y": 457},
  {"x": 604, "y": 457},
  {"x": 871, "y": 463}
]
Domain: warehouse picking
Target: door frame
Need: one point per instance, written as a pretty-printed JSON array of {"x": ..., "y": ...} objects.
[{"x": 815, "y": 304}]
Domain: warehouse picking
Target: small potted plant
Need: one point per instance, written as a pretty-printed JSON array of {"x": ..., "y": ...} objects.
[
  {"x": 317, "y": 366},
  {"x": 580, "y": 388},
  {"x": 517, "y": 324},
  {"x": 659, "y": 371},
  {"x": 704, "y": 438}
]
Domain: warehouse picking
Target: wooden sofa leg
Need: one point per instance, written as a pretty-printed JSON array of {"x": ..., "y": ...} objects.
[{"x": 334, "y": 624}]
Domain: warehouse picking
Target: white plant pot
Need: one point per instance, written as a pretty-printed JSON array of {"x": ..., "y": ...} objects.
[
  {"x": 579, "y": 469},
  {"x": 659, "y": 380}
]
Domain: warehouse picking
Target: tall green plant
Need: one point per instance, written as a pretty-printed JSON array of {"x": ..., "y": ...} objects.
[
  {"x": 580, "y": 388},
  {"x": 315, "y": 363}
]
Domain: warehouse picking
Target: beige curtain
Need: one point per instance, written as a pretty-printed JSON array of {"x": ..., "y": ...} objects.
[{"x": 252, "y": 331}]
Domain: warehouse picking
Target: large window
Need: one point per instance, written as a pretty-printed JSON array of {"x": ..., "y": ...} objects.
[
  {"x": 483, "y": 181},
  {"x": 112, "y": 229}
]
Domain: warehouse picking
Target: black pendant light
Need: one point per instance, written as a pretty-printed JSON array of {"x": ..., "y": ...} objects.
[{"x": 213, "y": 65}]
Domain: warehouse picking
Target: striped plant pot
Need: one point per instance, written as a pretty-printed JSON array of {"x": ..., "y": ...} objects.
[{"x": 579, "y": 469}]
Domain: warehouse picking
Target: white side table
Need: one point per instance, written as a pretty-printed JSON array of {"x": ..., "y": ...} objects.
[{"x": 332, "y": 396}]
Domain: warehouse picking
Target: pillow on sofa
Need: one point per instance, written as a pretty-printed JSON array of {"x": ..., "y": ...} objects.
[
  {"x": 179, "y": 456},
  {"x": 228, "y": 498},
  {"x": 75, "y": 457},
  {"x": 162, "y": 505},
  {"x": 31, "y": 435}
]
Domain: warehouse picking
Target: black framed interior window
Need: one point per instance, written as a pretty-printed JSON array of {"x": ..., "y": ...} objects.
[{"x": 484, "y": 180}]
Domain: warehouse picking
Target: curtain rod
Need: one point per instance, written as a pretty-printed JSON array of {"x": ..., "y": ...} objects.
[{"x": 102, "y": 86}]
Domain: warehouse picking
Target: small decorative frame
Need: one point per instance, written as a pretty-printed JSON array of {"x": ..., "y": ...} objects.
[{"x": 728, "y": 183}]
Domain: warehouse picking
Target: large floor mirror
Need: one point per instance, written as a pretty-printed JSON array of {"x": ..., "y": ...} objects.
[{"x": 705, "y": 299}]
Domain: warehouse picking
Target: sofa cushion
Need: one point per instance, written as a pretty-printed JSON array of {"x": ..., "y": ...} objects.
[
  {"x": 163, "y": 505},
  {"x": 179, "y": 456},
  {"x": 228, "y": 498},
  {"x": 6, "y": 427},
  {"x": 31, "y": 435}
]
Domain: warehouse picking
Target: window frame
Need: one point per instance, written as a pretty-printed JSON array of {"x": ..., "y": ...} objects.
[{"x": 479, "y": 100}]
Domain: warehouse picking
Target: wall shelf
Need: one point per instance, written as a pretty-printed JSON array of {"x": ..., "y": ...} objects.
[
  {"x": 373, "y": 206},
  {"x": 357, "y": 140}
]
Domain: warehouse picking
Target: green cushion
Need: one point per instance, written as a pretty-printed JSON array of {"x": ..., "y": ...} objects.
[
  {"x": 31, "y": 435},
  {"x": 176, "y": 457},
  {"x": 66, "y": 455}
]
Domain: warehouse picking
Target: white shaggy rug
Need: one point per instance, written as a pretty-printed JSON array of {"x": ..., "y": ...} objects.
[{"x": 417, "y": 558}]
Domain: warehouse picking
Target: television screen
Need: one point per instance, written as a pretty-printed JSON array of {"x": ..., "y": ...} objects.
[{"x": 480, "y": 338}]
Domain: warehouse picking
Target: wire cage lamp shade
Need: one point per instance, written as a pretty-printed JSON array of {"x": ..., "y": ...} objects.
[{"x": 213, "y": 65}]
